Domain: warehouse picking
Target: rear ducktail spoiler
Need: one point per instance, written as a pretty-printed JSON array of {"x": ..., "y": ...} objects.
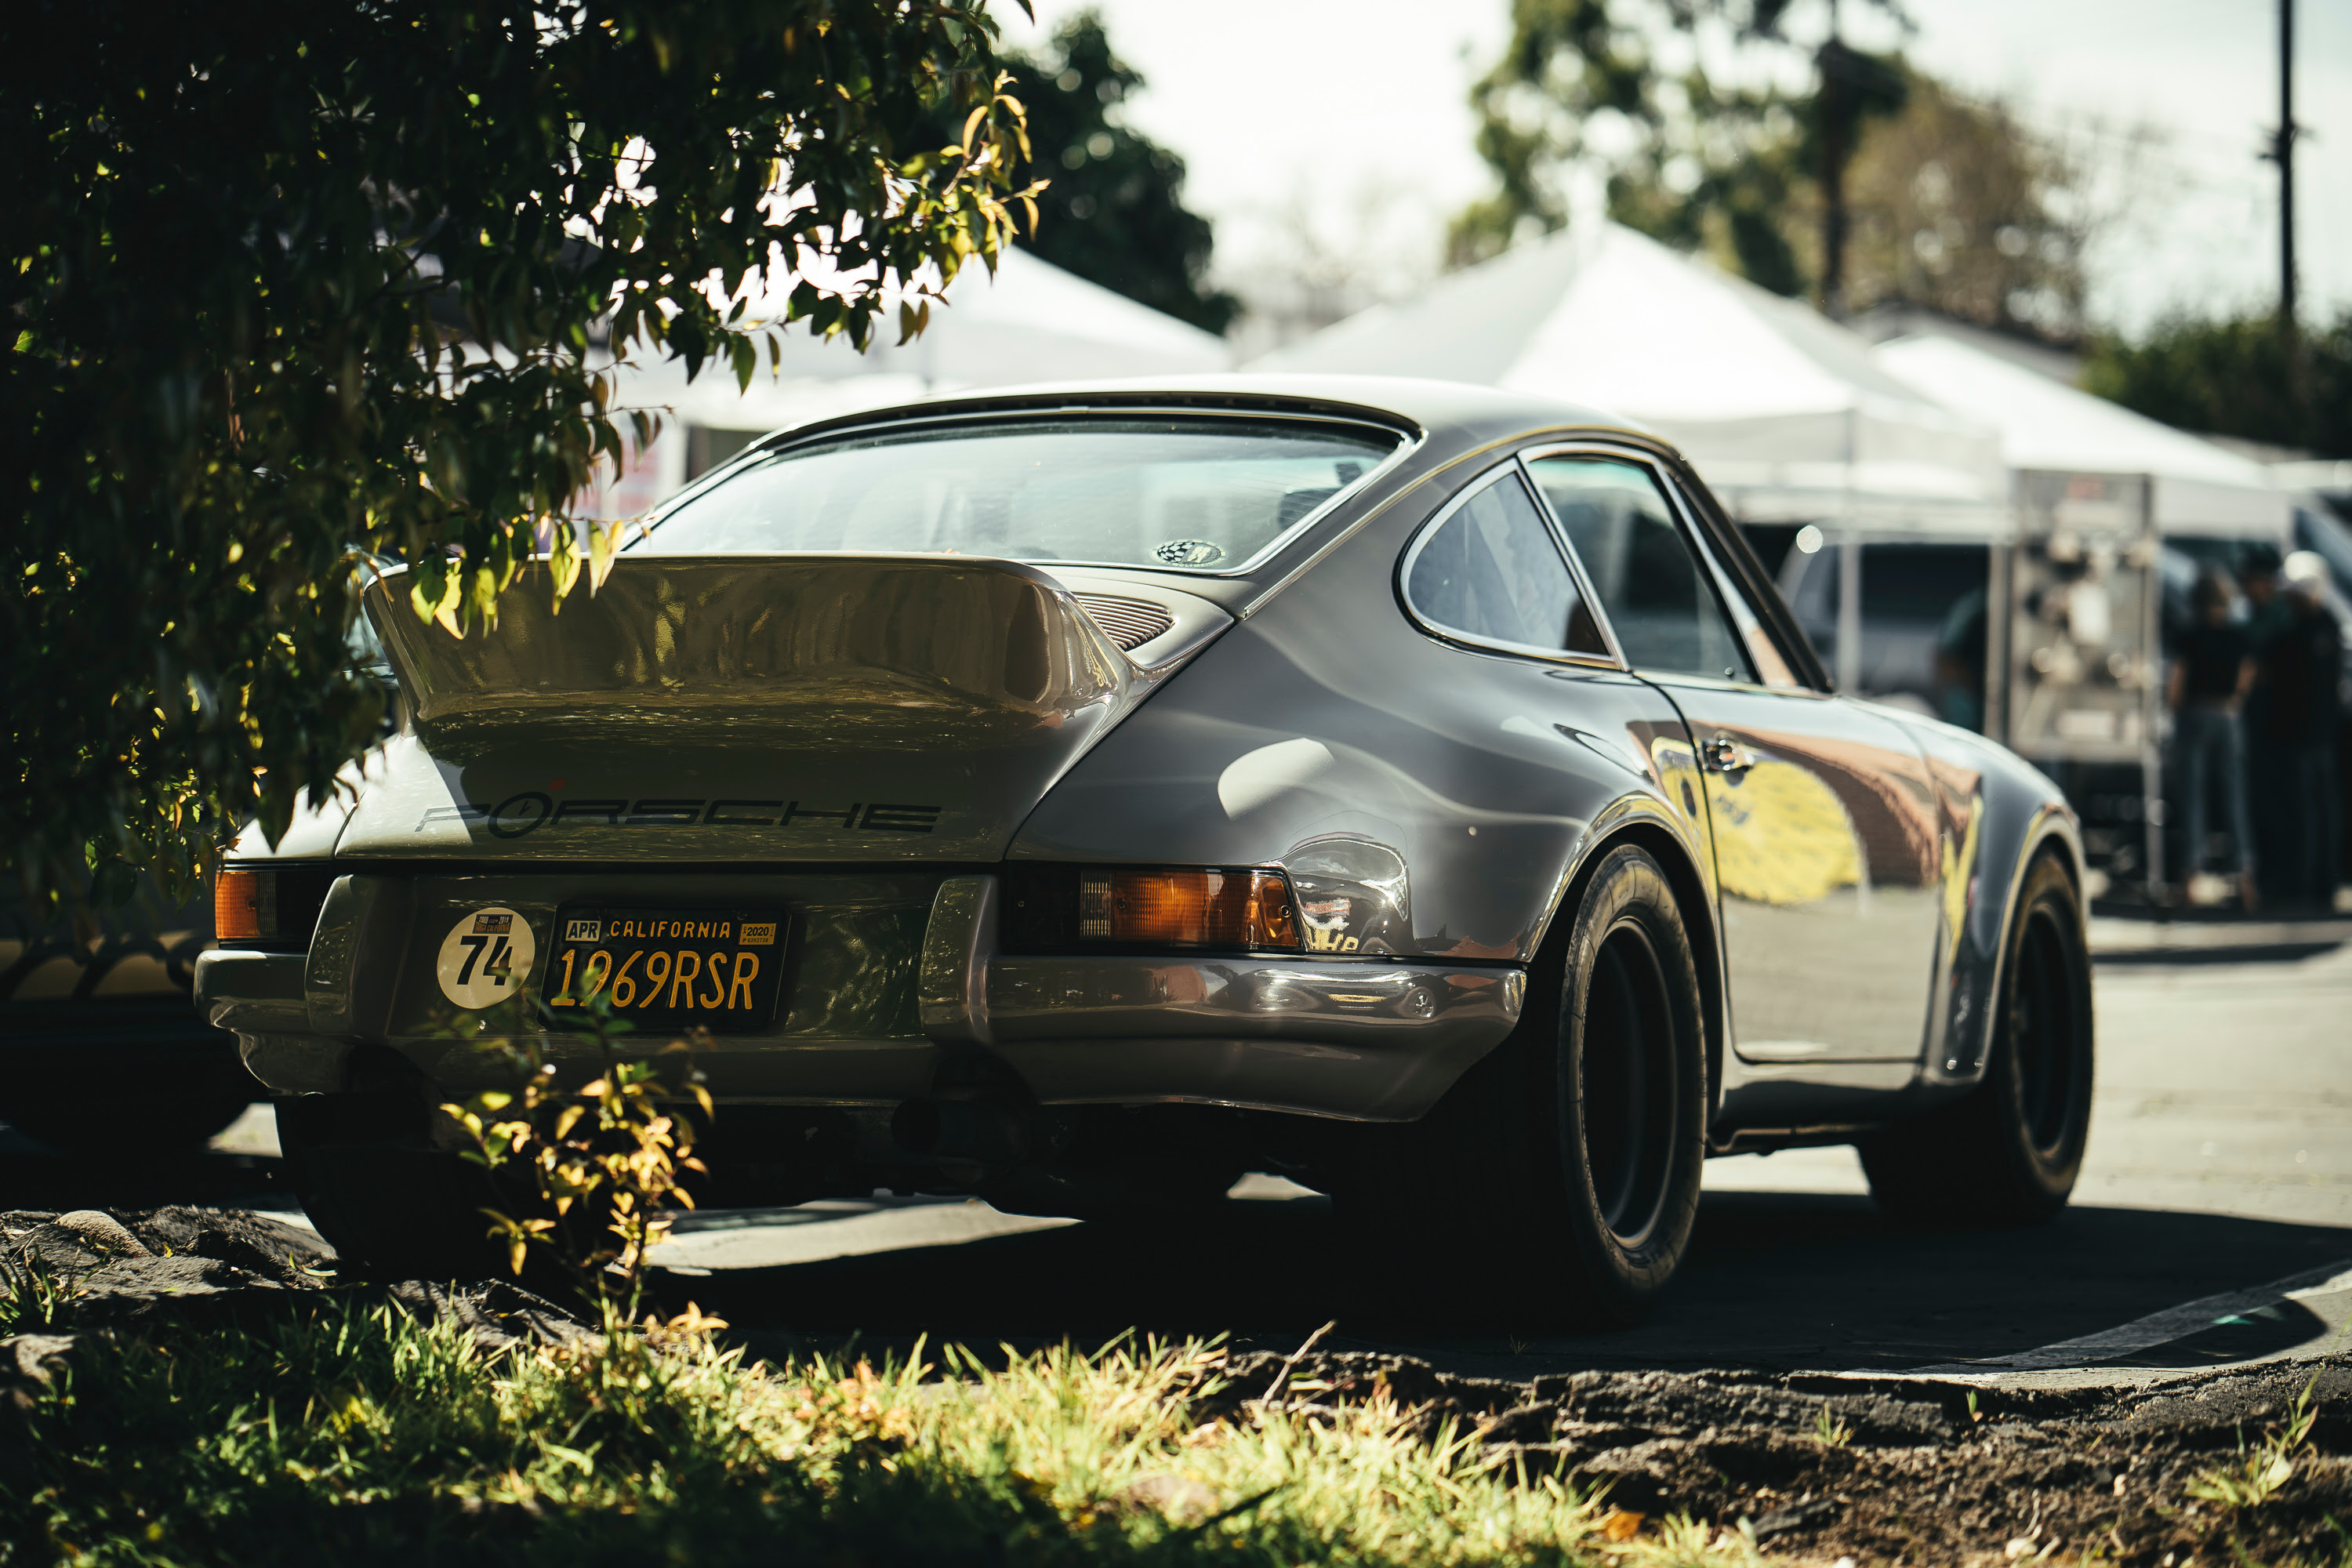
[{"x": 868, "y": 650}]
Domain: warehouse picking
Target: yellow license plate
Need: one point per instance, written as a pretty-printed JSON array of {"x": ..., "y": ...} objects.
[{"x": 720, "y": 970}]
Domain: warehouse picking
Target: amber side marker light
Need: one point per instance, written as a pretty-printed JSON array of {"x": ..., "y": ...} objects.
[
  {"x": 245, "y": 905},
  {"x": 1187, "y": 908}
]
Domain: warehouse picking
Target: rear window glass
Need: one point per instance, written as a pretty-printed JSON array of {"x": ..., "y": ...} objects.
[{"x": 1197, "y": 495}]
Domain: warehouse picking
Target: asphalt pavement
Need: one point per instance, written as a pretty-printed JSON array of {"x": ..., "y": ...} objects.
[
  {"x": 2220, "y": 1176},
  {"x": 2212, "y": 1226}
]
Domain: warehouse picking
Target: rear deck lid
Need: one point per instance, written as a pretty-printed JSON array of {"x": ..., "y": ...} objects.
[{"x": 805, "y": 708}]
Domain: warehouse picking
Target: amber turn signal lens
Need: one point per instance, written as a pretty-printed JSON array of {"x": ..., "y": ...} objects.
[
  {"x": 1188, "y": 908},
  {"x": 241, "y": 905}
]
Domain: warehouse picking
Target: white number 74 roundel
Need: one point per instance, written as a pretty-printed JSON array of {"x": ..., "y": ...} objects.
[{"x": 486, "y": 958}]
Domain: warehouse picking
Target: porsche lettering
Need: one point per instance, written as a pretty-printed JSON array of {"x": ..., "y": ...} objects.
[{"x": 532, "y": 810}]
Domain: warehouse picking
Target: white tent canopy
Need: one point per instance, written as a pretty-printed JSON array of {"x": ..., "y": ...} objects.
[
  {"x": 1786, "y": 413},
  {"x": 2199, "y": 488},
  {"x": 1030, "y": 322}
]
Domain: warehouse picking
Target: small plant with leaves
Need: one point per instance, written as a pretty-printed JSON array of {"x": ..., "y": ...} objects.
[
  {"x": 2261, "y": 1471},
  {"x": 32, "y": 1298},
  {"x": 602, "y": 1159},
  {"x": 1828, "y": 1430},
  {"x": 1683, "y": 1541}
]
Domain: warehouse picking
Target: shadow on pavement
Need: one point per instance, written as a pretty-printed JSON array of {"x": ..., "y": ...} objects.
[
  {"x": 2241, "y": 1336},
  {"x": 34, "y": 1176},
  {"x": 1776, "y": 1281},
  {"x": 2174, "y": 957},
  {"x": 1787, "y": 1280}
]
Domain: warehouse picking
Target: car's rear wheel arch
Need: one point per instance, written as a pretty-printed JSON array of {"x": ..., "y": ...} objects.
[{"x": 1697, "y": 911}]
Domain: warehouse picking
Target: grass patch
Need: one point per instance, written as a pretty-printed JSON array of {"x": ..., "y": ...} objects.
[{"x": 357, "y": 1434}]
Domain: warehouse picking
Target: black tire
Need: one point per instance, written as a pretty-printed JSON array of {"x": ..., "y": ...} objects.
[
  {"x": 2008, "y": 1154},
  {"x": 1560, "y": 1179},
  {"x": 392, "y": 1206}
]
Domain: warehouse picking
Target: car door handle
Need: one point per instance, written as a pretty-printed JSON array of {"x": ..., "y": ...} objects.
[{"x": 1722, "y": 754}]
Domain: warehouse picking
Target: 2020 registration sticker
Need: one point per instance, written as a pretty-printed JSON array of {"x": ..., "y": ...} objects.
[{"x": 486, "y": 958}]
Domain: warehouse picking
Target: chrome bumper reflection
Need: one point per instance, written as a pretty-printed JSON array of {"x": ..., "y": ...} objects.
[
  {"x": 1345, "y": 1004},
  {"x": 1375, "y": 1042}
]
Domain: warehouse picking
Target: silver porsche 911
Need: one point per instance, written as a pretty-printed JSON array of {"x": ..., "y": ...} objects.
[{"x": 1081, "y": 797}]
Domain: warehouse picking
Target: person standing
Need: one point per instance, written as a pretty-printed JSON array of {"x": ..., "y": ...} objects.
[
  {"x": 2268, "y": 792},
  {"x": 2303, "y": 671},
  {"x": 2207, "y": 691}
]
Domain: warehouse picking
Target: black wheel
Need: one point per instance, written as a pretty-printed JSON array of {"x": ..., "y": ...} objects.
[
  {"x": 1561, "y": 1177},
  {"x": 2011, "y": 1152},
  {"x": 391, "y": 1204}
]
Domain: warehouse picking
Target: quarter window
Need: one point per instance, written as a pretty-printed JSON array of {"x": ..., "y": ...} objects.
[
  {"x": 1650, "y": 586},
  {"x": 1493, "y": 572}
]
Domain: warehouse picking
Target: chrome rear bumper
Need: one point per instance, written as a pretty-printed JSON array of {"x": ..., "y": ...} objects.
[{"x": 1361, "y": 1038}]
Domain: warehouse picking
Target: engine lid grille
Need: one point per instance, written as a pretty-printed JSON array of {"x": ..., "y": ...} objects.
[{"x": 1131, "y": 623}]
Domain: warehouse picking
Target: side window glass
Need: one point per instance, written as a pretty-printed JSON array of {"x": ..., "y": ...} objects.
[
  {"x": 1651, "y": 588},
  {"x": 1763, "y": 654},
  {"x": 1493, "y": 572}
]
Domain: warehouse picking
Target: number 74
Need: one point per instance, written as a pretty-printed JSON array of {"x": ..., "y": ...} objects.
[{"x": 497, "y": 963}]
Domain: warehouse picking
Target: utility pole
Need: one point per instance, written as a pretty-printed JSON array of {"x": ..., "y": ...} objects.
[
  {"x": 2282, "y": 153},
  {"x": 1834, "y": 119}
]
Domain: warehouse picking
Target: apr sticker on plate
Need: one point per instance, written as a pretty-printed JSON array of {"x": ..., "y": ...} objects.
[{"x": 486, "y": 958}]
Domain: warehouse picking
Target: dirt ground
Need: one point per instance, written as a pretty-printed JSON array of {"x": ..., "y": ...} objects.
[
  {"x": 1816, "y": 1467},
  {"x": 1903, "y": 1471}
]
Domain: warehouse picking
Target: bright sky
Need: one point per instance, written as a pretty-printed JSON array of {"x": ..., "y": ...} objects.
[{"x": 1343, "y": 105}]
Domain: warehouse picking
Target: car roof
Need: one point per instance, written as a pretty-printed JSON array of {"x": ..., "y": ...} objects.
[{"x": 1449, "y": 412}]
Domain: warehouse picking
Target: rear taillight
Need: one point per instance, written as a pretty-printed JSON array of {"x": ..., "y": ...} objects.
[
  {"x": 245, "y": 905},
  {"x": 1063, "y": 909},
  {"x": 277, "y": 907},
  {"x": 1186, "y": 908}
]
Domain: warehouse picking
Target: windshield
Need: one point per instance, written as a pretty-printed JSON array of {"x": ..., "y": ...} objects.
[{"x": 1208, "y": 495}]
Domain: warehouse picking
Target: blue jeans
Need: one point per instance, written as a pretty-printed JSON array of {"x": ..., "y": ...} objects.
[{"x": 2209, "y": 740}]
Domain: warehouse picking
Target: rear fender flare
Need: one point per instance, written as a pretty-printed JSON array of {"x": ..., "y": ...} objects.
[{"x": 1643, "y": 823}]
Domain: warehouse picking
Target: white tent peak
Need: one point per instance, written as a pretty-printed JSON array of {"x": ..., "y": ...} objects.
[
  {"x": 1673, "y": 333},
  {"x": 1029, "y": 292},
  {"x": 1786, "y": 413}
]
